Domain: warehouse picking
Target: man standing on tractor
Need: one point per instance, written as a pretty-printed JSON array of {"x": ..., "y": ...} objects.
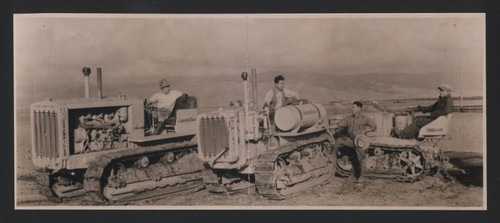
[
  {"x": 357, "y": 124},
  {"x": 443, "y": 106},
  {"x": 278, "y": 96},
  {"x": 164, "y": 101}
]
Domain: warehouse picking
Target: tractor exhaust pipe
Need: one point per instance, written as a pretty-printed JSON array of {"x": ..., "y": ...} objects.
[
  {"x": 244, "y": 76},
  {"x": 250, "y": 91},
  {"x": 86, "y": 72},
  {"x": 99, "y": 83},
  {"x": 254, "y": 89}
]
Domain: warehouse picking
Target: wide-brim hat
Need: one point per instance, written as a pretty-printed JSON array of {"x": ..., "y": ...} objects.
[
  {"x": 362, "y": 141},
  {"x": 444, "y": 87}
]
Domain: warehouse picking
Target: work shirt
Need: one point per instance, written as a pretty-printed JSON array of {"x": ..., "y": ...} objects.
[
  {"x": 357, "y": 124},
  {"x": 277, "y": 97},
  {"x": 443, "y": 106},
  {"x": 166, "y": 101}
]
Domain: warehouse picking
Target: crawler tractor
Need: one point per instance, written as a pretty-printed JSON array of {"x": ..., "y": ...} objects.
[
  {"x": 100, "y": 147},
  {"x": 244, "y": 150},
  {"x": 385, "y": 156}
]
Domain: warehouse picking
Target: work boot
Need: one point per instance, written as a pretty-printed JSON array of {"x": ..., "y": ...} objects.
[
  {"x": 149, "y": 132},
  {"x": 159, "y": 128},
  {"x": 359, "y": 181},
  {"x": 358, "y": 184}
]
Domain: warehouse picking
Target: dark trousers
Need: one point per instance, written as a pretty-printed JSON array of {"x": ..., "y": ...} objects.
[
  {"x": 159, "y": 128},
  {"x": 162, "y": 114},
  {"x": 412, "y": 130},
  {"x": 346, "y": 146}
]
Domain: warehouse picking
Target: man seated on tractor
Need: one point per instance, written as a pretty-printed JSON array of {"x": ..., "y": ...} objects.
[
  {"x": 357, "y": 124},
  {"x": 278, "y": 96},
  {"x": 443, "y": 106},
  {"x": 164, "y": 101}
]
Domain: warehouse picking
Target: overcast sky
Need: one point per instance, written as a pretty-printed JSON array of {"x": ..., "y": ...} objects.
[{"x": 54, "y": 47}]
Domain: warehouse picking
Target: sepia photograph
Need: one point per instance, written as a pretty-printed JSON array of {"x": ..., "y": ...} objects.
[{"x": 250, "y": 111}]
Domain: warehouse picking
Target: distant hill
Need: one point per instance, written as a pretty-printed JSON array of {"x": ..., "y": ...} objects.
[
  {"x": 215, "y": 91},
  {"x": 377, "y": 86}
]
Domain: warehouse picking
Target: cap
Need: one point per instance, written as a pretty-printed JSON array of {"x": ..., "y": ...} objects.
[
  {"x": 444, "y": 87},
  {"x": 164, "y": 83}
]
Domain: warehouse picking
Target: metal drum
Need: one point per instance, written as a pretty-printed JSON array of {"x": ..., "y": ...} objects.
[{"x": 294, "y": 117}]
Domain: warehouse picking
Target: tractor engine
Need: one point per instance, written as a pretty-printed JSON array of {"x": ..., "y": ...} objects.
[
  {"x": 63, "y": 131},
  {"x": 100, "y": 131}
]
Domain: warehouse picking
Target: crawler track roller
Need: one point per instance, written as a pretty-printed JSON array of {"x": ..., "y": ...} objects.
[{"x": 283, "y": 173}]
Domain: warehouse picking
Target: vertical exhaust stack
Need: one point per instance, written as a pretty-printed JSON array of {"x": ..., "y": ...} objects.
[
  {"x": 254, "y": 90},
  {"x": 86, "y": 72},
  {"x": 244, "y": 76},
  {"x": 99, "y": 83}
]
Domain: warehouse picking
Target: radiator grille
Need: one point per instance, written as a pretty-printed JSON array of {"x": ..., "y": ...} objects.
[
  {"x": 45, "y": 134},
  {"x": 214, "y": 136}
]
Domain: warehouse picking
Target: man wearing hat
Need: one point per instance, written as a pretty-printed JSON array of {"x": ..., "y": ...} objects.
[
  {"x": 165, "y": 102},
  {"x": 443, "y": 106},
  {"x": 357, "y": 124}
]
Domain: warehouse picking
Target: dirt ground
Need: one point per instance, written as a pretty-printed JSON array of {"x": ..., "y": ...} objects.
[
  {"x": 466, "y": 136},
  {"x": 339, "y": 192}
]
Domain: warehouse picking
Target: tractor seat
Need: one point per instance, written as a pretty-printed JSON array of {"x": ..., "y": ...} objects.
[
  {"x": 437, "y": 128},
  {"x": 185, "y": 102}
]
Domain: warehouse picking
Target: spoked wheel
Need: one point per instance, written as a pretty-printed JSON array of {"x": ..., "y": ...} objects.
[{"x": 412, "y": 164}]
